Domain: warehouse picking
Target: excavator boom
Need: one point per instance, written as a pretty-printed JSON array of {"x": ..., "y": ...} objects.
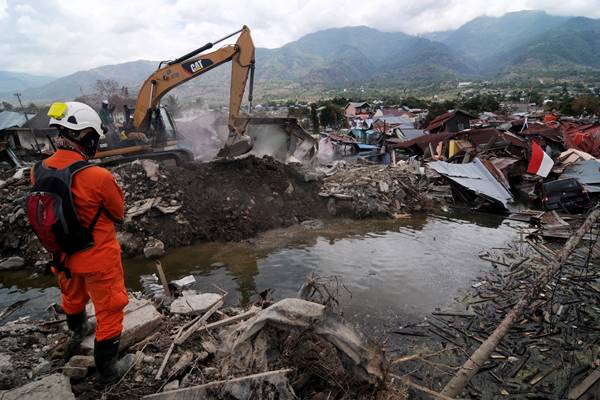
[{"x": 191, "y": 65}]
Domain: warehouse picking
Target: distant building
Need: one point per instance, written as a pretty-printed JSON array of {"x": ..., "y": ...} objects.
[
  {"x": 361, "y": 110},
  {"x": 452, "y": 121}
]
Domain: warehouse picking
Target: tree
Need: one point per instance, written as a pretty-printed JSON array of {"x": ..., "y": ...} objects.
[
  {"x": 413, "y": 102},
  {"x": 331, "y": 115},
  {"x": 586, "y": 104},
  {"x": 314, "y": 118},
  {"x": 173, "y": 105},
  {"x": 106, "y": 88},
  {"x": 481, "y": 103},
  {"x": 7, "y": 106}
]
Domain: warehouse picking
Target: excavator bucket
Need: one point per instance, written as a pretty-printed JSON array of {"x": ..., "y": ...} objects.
[
  {"x": 236, "y": 145},
  {"x": 280, "y": 138}
]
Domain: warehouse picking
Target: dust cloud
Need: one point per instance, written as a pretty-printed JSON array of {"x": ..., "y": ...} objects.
[{"x": 204, "y": 133}]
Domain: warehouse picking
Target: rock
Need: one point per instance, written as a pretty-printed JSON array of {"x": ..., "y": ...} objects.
[
  {"x": 190, "y": 302},
  {"x": 7, "y": 374},
  {"x": 12, "y": 263},
  {"x": 75, "y": 372},
  {"x": 81, "y": 361},
  {"x": 151, "y": 169},
  {"x": 42, "y": 367},
  {"x": 217, "y": 265},
  {"x": 154, "y": 249},
  {"x": 141, "y": 320},
  {"x": 313, "y": 224},
  {"x": 129, "y": 242},
  {"x": 51, "y": 387},
  {"x": 290, "y": 189},
  {"x": 173, "y": 385}
]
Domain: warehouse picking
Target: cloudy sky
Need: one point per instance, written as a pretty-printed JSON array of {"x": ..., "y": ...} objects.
[{"x": 58, "y": 37}]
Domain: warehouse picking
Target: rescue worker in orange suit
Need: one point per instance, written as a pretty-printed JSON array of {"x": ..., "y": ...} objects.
[{"x": 96, "y": 273}]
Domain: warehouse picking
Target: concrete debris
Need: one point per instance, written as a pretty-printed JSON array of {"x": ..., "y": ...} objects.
[
  {"x": 192, "y": 302},
  {"x": 51, "y": 387},
  {"x": 183, "y": 282},
  {"x": 141, "y": 320},
  {"x": 151, "y": 169}
]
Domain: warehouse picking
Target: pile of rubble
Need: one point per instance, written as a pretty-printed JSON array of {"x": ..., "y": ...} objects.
[
  {"x": 18, "y": 243},
  {"x": 169, "y": 206},
  {"x": 292, "y": 348},
  {"x": 372, "y": 190}
]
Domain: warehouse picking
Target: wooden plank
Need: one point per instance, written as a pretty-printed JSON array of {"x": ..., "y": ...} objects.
[
  {"x": 163, "y": 279},
  {"x": 584, "y": 386}
]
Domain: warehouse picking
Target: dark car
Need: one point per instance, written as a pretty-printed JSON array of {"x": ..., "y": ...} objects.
[{"x": 565, "y": 195}]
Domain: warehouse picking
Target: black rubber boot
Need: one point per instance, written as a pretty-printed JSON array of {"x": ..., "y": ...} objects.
[
  {"x": 108, "y": 365},
  {"x": 80, "y": 327}
]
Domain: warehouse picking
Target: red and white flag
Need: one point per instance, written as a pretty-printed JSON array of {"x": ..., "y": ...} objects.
[{"x": 540, "y": 163}]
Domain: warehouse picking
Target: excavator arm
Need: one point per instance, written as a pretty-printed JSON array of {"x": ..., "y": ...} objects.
[{"x": 191, "y": 65}]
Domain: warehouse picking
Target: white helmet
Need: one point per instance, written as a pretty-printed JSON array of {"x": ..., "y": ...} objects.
[{"x": 75, "y": 116}]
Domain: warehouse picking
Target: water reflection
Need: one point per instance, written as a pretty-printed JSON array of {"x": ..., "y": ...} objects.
[{"x": 397, "y": 271}]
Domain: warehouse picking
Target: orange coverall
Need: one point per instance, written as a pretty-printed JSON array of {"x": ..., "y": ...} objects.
[{"x": 97, "y": 272}]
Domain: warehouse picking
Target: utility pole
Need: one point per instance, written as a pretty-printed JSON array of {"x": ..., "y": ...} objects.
[{"x": 28, "y": 123}]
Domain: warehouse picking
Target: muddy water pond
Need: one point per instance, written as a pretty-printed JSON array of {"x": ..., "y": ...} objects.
[{"x": 394, "y": 271}]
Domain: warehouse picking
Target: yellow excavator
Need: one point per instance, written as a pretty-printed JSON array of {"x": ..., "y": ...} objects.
[{"x": 149, "y": 130}]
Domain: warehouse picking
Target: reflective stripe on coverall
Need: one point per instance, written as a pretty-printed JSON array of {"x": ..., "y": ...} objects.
[{"x": 97, "y": 272}]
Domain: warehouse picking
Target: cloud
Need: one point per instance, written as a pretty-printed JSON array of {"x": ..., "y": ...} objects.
[
  {"x": 3, "y": 8},
  {"x": 24, "y": 9},
  {"x": 58, "y": 37}
]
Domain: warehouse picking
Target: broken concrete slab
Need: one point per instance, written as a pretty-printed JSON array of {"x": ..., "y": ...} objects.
[
  {"x": 192, "y": 302},
  {"x": 141, "y": 320},
  {"x": 51, "y": 387}
]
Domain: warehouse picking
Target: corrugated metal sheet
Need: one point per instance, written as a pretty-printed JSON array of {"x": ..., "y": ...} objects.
[
  {"x": 587, "y": 172},
  {"x": 11, "y": 119},
  {"x": 475, "y": 177}
]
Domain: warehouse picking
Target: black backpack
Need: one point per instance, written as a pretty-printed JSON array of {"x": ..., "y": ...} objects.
[{"x": 52, "y": 214}]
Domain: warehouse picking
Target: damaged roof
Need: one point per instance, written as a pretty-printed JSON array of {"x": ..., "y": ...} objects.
[
  {"x": 475, "y": 177},
  {"x": 11, "y": 119},
  {"x": 442, "y": 119},
  {"x": 587, "y": 172}
]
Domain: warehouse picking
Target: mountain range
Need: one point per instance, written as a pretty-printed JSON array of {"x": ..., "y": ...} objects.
[{"x": 526, "y": 44}]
